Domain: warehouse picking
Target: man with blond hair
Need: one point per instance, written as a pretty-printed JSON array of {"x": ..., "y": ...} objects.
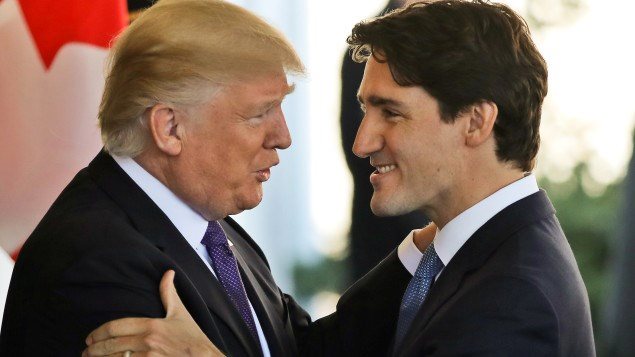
[{"x": 191, "y": 122}]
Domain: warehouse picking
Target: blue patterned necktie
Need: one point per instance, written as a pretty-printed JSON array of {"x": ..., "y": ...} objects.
[
  {"x": 418, "y": 288},
  {"x": 226, "y": 268}
]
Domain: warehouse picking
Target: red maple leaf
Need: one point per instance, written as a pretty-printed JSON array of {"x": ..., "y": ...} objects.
[{"x": 54, "y": 23}]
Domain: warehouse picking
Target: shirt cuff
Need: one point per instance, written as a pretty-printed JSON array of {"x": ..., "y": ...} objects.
[{"x": 409, "y": 254}]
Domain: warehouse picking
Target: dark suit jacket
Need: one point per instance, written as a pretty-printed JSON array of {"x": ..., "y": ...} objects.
[
  {"x": 366, "y": 317},
  {"x": 99, "y": 254},
  {"x": 513, "y": 289}
]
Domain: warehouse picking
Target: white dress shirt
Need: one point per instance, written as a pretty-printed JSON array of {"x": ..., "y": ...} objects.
[
  {"x": 6, "y": 268},
  {"x": 189, "y": 223},
  {"x": 451, "y": 238}
]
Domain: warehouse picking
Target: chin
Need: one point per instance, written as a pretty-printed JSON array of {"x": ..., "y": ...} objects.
[
  {"x": 248, "y": 203},
  {"x": 381, "y": 209},
  {"x": 388, "y": 207}
]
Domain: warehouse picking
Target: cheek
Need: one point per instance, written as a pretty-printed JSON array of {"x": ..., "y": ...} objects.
[
  {"x": 236, "y": 165},
  {"x": 226, "y": 157},
  {"x": 252, "y": 153},
  {"x": 421, "y": 159},
  {"x": 233, "y": 156},
  {"x": 410, "y": 151}
]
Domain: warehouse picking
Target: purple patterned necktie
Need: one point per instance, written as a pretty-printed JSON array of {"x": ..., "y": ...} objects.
[{"x": 226, "y": 268}]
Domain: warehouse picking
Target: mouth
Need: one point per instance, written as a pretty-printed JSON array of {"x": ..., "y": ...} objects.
[
  {"x": 263, "y": 175},
  {"x": 384, "y": 169},
  {"x": 380, "y": 172}
]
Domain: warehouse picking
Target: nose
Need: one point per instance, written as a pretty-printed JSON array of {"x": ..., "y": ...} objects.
[
  {"x": 279, "y": 136},
  {"x": 368, "y": 139}
]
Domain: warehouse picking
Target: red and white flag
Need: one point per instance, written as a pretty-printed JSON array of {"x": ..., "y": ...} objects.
[{"x": 52, "y": 55}]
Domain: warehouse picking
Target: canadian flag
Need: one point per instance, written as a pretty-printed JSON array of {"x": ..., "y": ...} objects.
[{"x": 52, "y": 55}]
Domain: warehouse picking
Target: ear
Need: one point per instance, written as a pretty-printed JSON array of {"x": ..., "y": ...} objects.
[
  {"x": 482, "y": 117},
  {"x": 164, "y": 129}
]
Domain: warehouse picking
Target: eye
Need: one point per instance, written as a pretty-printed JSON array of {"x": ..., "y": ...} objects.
[
  {"x": 257, "y": 119},
  {"x": 387, "y": 113},
  {"x": 261, "y": 115}
]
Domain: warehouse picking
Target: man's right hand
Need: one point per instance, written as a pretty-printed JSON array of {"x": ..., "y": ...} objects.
[{"x": 175, "y": 335}]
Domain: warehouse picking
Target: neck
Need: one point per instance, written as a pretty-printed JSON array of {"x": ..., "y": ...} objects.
[
  {"x": 153, "y": 165},
  {"x": 470, "y": 190},
  {"x": 166, "y": 169}
]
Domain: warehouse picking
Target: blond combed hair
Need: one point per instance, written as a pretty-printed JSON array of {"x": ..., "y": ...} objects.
[{"x": 179, "y": 52}]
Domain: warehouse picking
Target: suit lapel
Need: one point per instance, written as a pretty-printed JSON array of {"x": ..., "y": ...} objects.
[
  {"x": 212, "y": 292},
  {"x": 260, "y": 300},
  {"x": 152, "y": 223},
  {"x": 478, "y": 248}
]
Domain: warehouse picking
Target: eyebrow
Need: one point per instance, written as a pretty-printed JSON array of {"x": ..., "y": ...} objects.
[
  {"x": 379, "y": 101},
  {"x": 269, "y": 104}
]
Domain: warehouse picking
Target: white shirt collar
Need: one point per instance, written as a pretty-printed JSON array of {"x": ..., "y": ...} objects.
[
  {"x": 189, "y": 223},
  {"x": 451, "y": 238}
]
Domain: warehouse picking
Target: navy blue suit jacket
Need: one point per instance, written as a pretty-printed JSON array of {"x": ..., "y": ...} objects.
[{"x": 513, "y": 289}]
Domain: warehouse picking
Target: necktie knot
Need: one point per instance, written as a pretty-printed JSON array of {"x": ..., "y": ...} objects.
[
  {"x": 430, "y": 265},
  {"x": 214, "y": 235}
]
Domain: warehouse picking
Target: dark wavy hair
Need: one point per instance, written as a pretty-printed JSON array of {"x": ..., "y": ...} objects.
[{"x": 462, "y": 53}]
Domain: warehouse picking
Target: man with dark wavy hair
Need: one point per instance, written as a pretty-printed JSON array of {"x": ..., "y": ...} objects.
[{"x": 452, "y": 95}]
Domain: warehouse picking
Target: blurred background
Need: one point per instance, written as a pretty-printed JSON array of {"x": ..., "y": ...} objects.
[{"x": 51, "y": 77}]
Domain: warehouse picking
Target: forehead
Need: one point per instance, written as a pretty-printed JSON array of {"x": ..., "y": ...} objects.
[
  {"x": 270, "y": 84},
  {"x": 377, "y": 79},
  {"x": 252, "y": 94},
  {"x": 244, "y": 98},
  {"x": 378, "y": 87}
]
